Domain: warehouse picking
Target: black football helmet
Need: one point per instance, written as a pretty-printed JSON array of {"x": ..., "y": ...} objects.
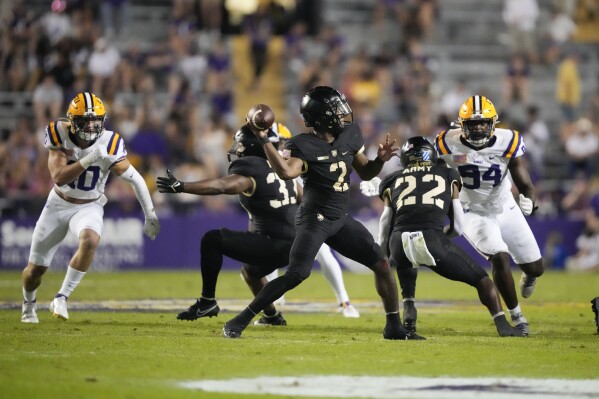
[
  {"x": 325, "y": 109},
  {"x": 245, "y": 143},
  {"x": 417, "y": 149}
]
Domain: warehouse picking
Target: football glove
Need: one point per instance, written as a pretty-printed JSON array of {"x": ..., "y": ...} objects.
[
  {"x": 370, "y": 188},
  {"x": 169, "y": 184},
  {"x": 152, "y": 226},
  {"x": 526, "y": 205}
]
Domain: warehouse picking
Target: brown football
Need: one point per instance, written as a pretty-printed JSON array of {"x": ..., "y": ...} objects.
[{"x": 260, "y": 117}]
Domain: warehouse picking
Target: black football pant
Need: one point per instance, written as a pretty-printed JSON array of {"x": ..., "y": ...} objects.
[
  {"x": 345, "y": 235},
  {"x": 452, "y": 262},
  {"x": 260, "y": 254}
]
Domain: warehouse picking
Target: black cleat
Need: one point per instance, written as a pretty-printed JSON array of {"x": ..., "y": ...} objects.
[
  {"x": 401, "y": 333},
  {"x": 504, "y": 329},
  {"x": 276, "y": 320},
  {"x": 232, "y": 330},
  {"x": 410, "y": 314},
  {"x": 595, "y": 307},
  {"x": 199, "y": 309}
]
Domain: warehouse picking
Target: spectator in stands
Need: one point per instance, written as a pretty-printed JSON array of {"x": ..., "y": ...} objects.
[
  {"x": 568, "y": 86},
  {"x": 520, "y": 17},
  {"x": 258, "y": 27},
  {"x": 536, "y": 135},
  {"x": 587, "y": 244},
  {"x": 516, "y": 81},
  {"x": 558, "y": 33},
  {"x": 103, "y": 63},
  {"x": 452, "y": 99},
  {"x": 47, "y": 101},
  {"x": 116, "y": 17},
  {"x": 582, "y": 146}
]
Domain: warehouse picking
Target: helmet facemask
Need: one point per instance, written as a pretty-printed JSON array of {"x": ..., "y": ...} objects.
[
  {"x": 326, "y": 110},
  {"x": 478, "y": 131},
  {"x": 88, "y": 127}
]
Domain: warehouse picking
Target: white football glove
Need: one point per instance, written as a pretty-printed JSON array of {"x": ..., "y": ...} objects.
[
  {"x": 526, "y": 205},
  {"x": 98, "y": 153},
  {"x": 370, "y": 188},
  {"x": 152, "y": 226}
]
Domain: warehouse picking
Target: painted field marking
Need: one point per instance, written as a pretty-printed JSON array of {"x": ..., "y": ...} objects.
[{"x": 339, "y": 386}]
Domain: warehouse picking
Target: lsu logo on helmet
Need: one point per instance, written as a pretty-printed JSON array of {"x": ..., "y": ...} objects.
[{"x": 87, "y": 114}]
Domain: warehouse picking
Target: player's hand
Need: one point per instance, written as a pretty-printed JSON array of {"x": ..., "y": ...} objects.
[
  {"x": 98, "y": 153},
  {"x": 526, "y": 205},
  {"x": 261, "y": 134},
  {"x": 387, "y": 150},
  {"x": 370, "y": 188},
  {"x": 151, "y": 226},
  {"x": 169, "y": 184}
]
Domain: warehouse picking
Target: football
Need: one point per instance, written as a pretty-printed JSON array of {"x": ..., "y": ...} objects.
[{"x": 260, "y": 117}]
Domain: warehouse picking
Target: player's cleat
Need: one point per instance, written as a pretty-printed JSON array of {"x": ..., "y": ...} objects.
[
  {"x": 348, "y": 310},
  {"x": 410, "y": 315},
  {"x": 521, "y": 323},
  {"x": 233, "y": 329},
  {"x": 527, "y": 285},
  {"x": 199, "y": 309},
  {"x": 58, "y": 308},
  {"x": 275, "y": 320},
  {"x": 504, "y": 329},
  {"x": 401, "y": 333},
  {"x": 595, "y": 307},
  {"x": 29, "y": 314}
]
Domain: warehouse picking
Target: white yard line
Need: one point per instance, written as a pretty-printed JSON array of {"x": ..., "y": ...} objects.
[{"x": 339, "y": 386}]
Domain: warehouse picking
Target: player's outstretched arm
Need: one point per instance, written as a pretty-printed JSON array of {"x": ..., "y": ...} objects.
[
  {"x": 366, "y": 168},
  {"x": 287, "y": 169},
  {"x": 127, "y": 172},
  {"x": 231, "y": 184},
  {"x": 522, "y": 180}
]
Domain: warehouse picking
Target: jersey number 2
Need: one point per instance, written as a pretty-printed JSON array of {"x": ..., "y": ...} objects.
[{"x": 428, "y": 198}]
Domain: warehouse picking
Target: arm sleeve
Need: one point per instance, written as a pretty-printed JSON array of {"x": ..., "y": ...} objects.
[
  {"x": 458, "y": 217},
  {"x": 133, "y": 177}
]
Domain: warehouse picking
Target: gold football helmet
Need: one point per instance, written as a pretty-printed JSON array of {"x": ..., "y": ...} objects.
[
  {"x": 87, "y": 115},
  {"x": 281, "y": 130},
  {"x": 477, "y": 118}
]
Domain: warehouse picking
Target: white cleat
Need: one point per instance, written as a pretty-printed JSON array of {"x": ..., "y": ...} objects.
[
  {"x": 349, "y": 311},
  {"x": 58, "y": 308},
  {"x": 527, "y": 285},
  {"x": 29, "y": 314}
]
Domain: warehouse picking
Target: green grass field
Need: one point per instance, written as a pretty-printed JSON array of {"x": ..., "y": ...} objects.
[{"x": 146, "y": 354}]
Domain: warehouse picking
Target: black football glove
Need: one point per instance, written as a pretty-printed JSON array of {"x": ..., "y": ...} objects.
[{"x": 169, "y": 184}]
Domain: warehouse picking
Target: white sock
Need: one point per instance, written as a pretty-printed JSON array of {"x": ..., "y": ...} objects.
[
  {"x": 71, "y": 281},
  {"x": 516, "y": 312},
  {"x": 332, "y": 272},
  {"x": 29, "y": 296},
  {"x": 408, "y": 300},
  {"x": 498, "y": 314}
]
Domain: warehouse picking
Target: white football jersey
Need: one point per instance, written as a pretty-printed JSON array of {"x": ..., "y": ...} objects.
[
  {"x": 90, "y": 184},
  {"x": 484, "y": 171}
]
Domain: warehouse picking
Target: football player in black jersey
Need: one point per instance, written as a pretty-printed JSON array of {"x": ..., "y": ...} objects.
[
  {"x": 417, "y": 199},
  {"x": 325, "y": 158},
  {"x": 271, "y": 204}
]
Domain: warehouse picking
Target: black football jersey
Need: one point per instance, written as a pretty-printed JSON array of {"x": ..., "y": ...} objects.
[
  {"x": 420, "y": 196},
  {"x": 326, "y": 169},
  {"x": 273, "y": 203}
]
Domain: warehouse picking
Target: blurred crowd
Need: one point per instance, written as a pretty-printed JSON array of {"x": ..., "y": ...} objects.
[{"x": 173, "y": 98}]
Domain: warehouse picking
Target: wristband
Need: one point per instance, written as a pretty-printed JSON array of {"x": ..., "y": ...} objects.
[{"x": 263, "y": 139}]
